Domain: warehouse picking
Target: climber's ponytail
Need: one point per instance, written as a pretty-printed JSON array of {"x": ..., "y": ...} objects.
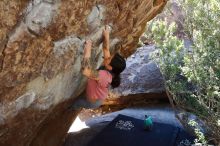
[
  {"x": 118, "y": 64},
  {"x": 116, "y": 80}
]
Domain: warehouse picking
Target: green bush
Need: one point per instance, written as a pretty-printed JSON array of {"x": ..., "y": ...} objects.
[{"x": 192, "y": 75}]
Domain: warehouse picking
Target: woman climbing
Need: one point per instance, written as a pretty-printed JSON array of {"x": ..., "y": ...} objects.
[{"x": 99, "y": 80}]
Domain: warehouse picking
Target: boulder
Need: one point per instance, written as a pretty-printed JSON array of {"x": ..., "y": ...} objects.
[
  {"x": 142, "y": 75},
  {"x": 41, "y": 46}
]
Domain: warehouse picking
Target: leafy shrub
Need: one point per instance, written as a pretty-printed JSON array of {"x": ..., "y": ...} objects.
[{"x": 192, "y": 74}]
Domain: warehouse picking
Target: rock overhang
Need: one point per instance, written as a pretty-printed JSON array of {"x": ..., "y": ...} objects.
[{"x": 41, "y": 45}]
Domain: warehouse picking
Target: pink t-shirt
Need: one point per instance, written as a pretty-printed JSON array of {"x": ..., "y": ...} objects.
[{"x": 98, "y": 89}]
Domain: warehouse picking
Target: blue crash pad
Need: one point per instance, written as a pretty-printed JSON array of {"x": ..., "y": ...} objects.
[{"x": 129, "y": 131}]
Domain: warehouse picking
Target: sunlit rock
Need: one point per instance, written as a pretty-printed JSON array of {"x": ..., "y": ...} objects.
[{"x": 41, "y": 45}]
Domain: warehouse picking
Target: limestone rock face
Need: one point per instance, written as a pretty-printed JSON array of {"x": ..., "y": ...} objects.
[{"x": 41, "y": 46}]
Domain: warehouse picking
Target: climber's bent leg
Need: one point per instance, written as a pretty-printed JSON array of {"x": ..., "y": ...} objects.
[{"x": 82, "y": 102}]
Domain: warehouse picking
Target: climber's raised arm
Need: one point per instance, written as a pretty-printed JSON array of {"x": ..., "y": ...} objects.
[
  {"x": 106, "y": 52},
  {"x": 87, "y": 69},
  {"x": 97, "y": 91}
]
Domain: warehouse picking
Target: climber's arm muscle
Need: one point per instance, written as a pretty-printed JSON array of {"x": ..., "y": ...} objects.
[{"x": 88, "y": 71}]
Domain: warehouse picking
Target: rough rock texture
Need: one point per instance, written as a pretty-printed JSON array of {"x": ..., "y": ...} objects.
[
  {"x": 41, "y": 45},
  {"x": 142, "y": 75}
]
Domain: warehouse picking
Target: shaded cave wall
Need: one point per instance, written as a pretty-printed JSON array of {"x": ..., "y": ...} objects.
[{"x": 41, "y": 47}]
